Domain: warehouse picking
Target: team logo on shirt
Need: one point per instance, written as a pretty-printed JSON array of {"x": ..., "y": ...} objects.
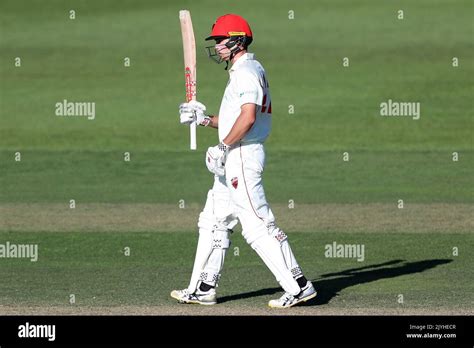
[{"x": 235, "y": 182}]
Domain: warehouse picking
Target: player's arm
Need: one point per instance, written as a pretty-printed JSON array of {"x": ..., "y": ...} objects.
[
  {"x": 250, "y": 93},
  {"x": 245, "y": 121},
  {"x": 216, "y": 155},
  {"x": 214, "y": 121}
]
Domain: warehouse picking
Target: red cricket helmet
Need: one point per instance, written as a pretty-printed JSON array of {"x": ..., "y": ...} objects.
[{"x": 230, "y": 25}]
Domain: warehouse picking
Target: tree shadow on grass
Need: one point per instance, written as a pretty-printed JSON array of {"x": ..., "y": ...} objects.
[{"x": 330, "y": 284}]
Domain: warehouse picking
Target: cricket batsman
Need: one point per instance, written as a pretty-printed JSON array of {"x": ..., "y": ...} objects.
[{"x": 237, "y": 162}]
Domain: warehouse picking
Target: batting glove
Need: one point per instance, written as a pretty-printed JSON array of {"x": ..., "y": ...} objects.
[
  {"x": 193, "y": 112},
  {"x": 216, "y": 157}
]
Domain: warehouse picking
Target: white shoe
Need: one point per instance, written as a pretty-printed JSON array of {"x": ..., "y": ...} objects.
[
  {"x": 199, "y": 297},
  {"x": 288, "y": 300}
]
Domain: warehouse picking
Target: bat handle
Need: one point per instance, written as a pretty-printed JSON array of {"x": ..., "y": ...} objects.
[{"x": 192, "y": 136}]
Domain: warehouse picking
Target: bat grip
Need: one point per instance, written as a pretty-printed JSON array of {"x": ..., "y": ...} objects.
[{"x": 192, "y": 136}]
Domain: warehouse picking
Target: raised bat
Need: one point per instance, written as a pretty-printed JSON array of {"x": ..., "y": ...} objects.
[{"x": 189, "y": 50}]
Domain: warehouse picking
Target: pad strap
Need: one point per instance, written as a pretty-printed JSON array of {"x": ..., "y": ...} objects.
[
  {"x": 220, "y": 239},
  {"x": 209, "y": 277}
]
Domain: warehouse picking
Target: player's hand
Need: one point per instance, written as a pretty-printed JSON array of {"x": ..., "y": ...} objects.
[
  {"x": 216, "y": 157},
  {"x": 193, "y": 112}
]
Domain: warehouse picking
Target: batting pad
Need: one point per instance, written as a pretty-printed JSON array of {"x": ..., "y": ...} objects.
[{"x": 270, "y": 251}]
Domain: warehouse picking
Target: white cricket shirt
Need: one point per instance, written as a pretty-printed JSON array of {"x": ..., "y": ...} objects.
[{"x": 247, "y": 84}]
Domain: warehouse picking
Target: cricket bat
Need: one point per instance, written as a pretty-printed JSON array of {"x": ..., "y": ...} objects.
[{"x": 189, "y": 50}]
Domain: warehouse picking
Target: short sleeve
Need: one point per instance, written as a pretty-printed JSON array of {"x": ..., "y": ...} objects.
[{"x": 248, "y": 88}]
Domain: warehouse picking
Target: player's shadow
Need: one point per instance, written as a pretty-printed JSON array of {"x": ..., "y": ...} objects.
[{"x": 330, "y": 284}]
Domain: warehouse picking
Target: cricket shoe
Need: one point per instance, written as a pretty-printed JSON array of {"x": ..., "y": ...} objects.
[
  {"x": 288, "y": 300},
  {"x": 199, "y": 297}
]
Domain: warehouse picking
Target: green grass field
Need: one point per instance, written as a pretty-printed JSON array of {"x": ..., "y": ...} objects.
[
  {"x": 135, "y": 204},
  {"x": 94, "y": 268}
]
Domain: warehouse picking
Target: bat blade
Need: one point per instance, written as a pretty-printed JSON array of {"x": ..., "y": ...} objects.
[{"x": 189, "y": 51}]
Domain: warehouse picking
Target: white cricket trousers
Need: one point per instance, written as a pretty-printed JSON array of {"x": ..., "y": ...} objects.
[{"x": 239, "y": 196}]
